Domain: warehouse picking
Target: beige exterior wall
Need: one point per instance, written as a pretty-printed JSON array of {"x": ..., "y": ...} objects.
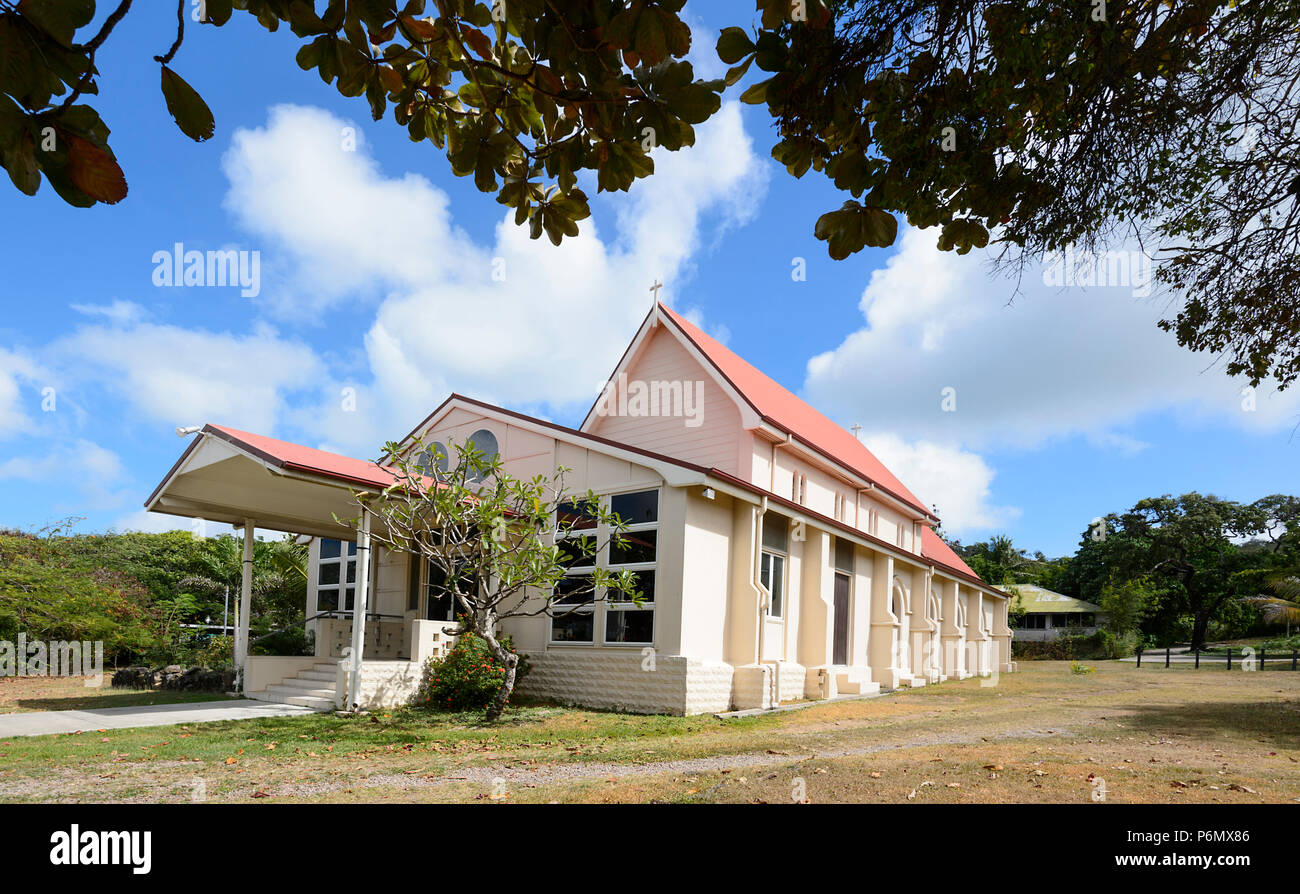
[
  {"x": 384, "y": 684},
  {"x": 712, "y": 439},
  {"x": 630, "y": 681}
]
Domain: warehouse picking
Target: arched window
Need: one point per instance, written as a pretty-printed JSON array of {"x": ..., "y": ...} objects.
[
  {"x": 486, "y": 442},
  {"x": 433, "y": 462}
]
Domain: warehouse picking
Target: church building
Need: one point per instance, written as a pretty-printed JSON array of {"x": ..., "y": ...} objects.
[{"x": 779, "y": 558}]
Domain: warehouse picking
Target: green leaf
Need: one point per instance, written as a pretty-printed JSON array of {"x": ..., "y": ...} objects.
[
  {"x": 58, "y": 18},
  {"x": 20, "y": 161},
  {"x": 733, "y": 45},
  {"x": 854, "y": 227},
  {"x": 879, "y": 227},
  {"x": 735, "y": 74},
  {"x": 756, "y": 94},
  {"x": 216, "y": 12},
  {"x": 694, "y": 103},
  {"x": 651, "y": 42},
  {"x": 188, "y": 108}
]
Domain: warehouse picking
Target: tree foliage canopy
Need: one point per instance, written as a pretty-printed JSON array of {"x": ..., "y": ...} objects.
[
  {"x": 135, "y": 591},
  {"x": 1026, "y": 126},
  {"x": 1040, "y": 125},
  {"x": 522, "y": 95}
]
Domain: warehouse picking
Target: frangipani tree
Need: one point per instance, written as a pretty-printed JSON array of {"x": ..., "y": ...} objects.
[{"x": 503, "y": 545}]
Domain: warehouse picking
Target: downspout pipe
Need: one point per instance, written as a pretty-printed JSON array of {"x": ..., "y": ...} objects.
[{"x": 757, "y": 580}]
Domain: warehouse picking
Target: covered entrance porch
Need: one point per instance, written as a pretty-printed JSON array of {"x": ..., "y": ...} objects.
[{"x": 367, "y": 653}]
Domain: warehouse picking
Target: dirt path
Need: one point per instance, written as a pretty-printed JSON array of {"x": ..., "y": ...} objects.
[{"x": 552, "y": 774}]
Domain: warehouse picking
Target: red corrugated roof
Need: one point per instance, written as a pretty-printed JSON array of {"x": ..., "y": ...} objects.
[
  {"x": 306, "y": 459},
  {"x": 934, "y": 549},
  {"x": 780, "y": 406}
]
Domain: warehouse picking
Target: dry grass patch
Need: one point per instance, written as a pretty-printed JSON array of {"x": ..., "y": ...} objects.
[
  {"x": 1152, "y": 735},
  {"x": 72, "y": 694}
]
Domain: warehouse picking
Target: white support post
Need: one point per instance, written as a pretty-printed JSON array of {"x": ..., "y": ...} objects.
[
  {"x": 245, "y": 608},
  {"x": 359, "y": 613}
]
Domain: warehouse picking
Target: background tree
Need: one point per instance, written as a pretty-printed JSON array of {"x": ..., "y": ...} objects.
[
  {"x": 1126, "y": 604},
  {"x": 999, "y": 561},
  {"x": 1187, "y": 548},
  {"x": 1050, "y": 123},
  {"x": 493, "y": 539},
  {"x": 140, "y": 593},
  {"x": 279, "y": 578}
]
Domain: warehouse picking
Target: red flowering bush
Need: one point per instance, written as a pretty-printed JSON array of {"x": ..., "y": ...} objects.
[{"x": 467, "y": 678}]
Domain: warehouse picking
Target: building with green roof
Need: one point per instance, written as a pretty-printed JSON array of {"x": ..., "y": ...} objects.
[{"x": 1048, "y": 614}]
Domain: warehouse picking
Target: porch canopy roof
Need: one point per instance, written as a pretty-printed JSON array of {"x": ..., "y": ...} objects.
[{"x": 227, "y": 475}]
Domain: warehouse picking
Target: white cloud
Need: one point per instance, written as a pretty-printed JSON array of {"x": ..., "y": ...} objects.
[
  {"x": 958, "y": 482},
  {"x": 96, "y": 472},
  {"x": 152, "y": 522},
  {"x": 16, "y": 370},
  {"x": 118, "y": 312},
  {"x": 545, "y": 335},
  {"x": 160, "y": 523},
  {"x": 349, "y": 230},
  {"x": 180, "y": 376},
  {"x": 1052, "y": 363}
]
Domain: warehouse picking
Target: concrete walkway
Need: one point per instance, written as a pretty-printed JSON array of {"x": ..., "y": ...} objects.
[{"x": 43, "y": 723}]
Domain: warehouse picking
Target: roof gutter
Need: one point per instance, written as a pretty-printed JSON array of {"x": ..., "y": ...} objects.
[{"x": 740, "y": 489}]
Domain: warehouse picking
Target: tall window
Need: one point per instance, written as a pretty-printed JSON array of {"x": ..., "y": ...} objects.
[
  {"x": 576, "y": 537},
  {"x": 776, "y": 548},
  {"x": 413, "y": 583},
  {"x": 440, "y": 602},
  {"x": 624, "y": 622},
  {"x": 335, "y": 574}
]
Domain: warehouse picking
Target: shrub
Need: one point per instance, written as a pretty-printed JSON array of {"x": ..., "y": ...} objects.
[
  {"x": 293, "y": 641},
  {"x": 219, "y": 651},
  {"x": 1283, "y": 644},
  {"x": 468, "y": 677},
  {"x": 1095, "y": 646},
  {"x": 1042, "y": 650}
]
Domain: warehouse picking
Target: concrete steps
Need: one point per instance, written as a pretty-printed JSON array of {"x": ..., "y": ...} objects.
[
  {"x": 316, "y": 689},
  {"x": 851, "y": 682}
]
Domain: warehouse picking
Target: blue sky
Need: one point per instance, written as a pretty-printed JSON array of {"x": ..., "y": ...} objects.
[{"x": 375, "y": 276}]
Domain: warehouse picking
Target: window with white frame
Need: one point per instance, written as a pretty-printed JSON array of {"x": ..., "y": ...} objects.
[
  {"x": 776, "y": 550},
  {"x": 637, "y": 552},
  {"x": 621, "y": 622},
  {"x": 336, "y": 572},
  {"x": 575, "y": 609}
]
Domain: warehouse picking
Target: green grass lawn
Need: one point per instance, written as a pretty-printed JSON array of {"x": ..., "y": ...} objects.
[{"x": 1044, "y": 734}]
